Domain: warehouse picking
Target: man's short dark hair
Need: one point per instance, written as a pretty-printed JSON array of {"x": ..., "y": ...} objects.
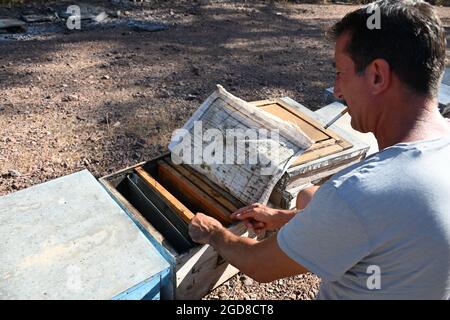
[{"x": 411, "y": 39}]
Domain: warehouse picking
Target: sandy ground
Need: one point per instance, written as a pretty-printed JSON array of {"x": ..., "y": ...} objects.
[{"x": 107, "y": 98}]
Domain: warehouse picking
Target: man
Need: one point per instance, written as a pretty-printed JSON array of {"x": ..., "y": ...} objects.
[{"x": 389, "y": 215}]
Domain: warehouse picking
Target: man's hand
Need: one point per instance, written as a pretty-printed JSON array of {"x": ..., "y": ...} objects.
[
  {"x": 202, "y": 227},
  {"x": 260, "y": 218}
]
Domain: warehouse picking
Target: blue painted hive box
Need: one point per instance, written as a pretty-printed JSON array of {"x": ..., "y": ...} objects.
[{"x": 68, "y": 239}]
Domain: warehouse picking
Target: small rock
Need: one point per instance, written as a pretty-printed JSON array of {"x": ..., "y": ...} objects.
[
  {"x": 106, "y": 77},
  {"x": 117, "y": 124},
  {"x": 104, "y": 120},
  {"x": 141, "y": 143},
  {"x": 223, "y": 295},
  {"x": 10, "y": 173},
  {"x": 136, "y": 156},
  {"x": 247, "y": 281},
  {"x": 195, "y": 71},
  {"x": 191, "y": 97},
  {"x": 70, "y": 97},
  {"x": 293, "y": 296},
  {"x": 47, "y": 169},
  {"x": 14, "y": 173},
  {"x": 100, "y": 17}
]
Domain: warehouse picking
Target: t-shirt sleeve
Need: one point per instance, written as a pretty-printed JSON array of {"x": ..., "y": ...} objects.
[{"x": 327, "y": 237}]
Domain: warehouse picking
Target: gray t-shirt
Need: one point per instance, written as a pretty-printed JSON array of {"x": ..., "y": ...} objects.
[{"x": 387, "y": 216}]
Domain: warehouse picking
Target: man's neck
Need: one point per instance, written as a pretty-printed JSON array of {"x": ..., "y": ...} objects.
[{"x": 417, "y": 119}]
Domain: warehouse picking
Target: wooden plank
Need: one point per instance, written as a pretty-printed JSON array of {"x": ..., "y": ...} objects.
[
  {"x": 322, "y": 144},
  {"x": 310, "y": 130},
  {"x": 339, "y": 140},
  {"x": 215, "y": 193},
  {"x": 191, "y": 192},
  {"x": 260, "y": 103},
  {"x": 224, "y": 194},
  {"x": 173, "y": 202},
  {"x": 316, "y": 154}
]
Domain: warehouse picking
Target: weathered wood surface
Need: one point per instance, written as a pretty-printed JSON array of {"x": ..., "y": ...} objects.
[{"x": 309, "y": 129}]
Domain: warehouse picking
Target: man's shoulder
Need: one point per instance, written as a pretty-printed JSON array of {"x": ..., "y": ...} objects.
[
  {"x": 398, "y": 175},
  {"x": 365, "y": 171},
  {"x": 401, "y": 161}
]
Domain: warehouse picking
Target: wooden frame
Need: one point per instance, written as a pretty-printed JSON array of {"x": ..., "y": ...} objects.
[{"x": 326, "y": 141}]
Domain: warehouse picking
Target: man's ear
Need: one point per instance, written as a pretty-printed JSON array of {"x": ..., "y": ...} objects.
[{"x": 379, "y": 76}]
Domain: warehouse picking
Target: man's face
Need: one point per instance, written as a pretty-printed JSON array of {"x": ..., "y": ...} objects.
[{"x": 351, "y": 86}]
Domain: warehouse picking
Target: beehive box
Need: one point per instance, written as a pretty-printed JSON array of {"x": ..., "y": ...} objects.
[
  {"x": 68, "y": 239},
  {"x": 161, "y": 198}
]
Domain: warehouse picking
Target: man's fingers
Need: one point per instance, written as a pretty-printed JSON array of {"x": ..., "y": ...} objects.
[
  {"x": 247, "y": 214},
  {"x": 238, "y": 212}
]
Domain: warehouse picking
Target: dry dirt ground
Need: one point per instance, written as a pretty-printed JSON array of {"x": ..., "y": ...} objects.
[{"x": 107, "y": 98}]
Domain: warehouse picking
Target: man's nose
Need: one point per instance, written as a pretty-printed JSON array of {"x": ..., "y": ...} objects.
[{"x": 337, "y": 91}]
